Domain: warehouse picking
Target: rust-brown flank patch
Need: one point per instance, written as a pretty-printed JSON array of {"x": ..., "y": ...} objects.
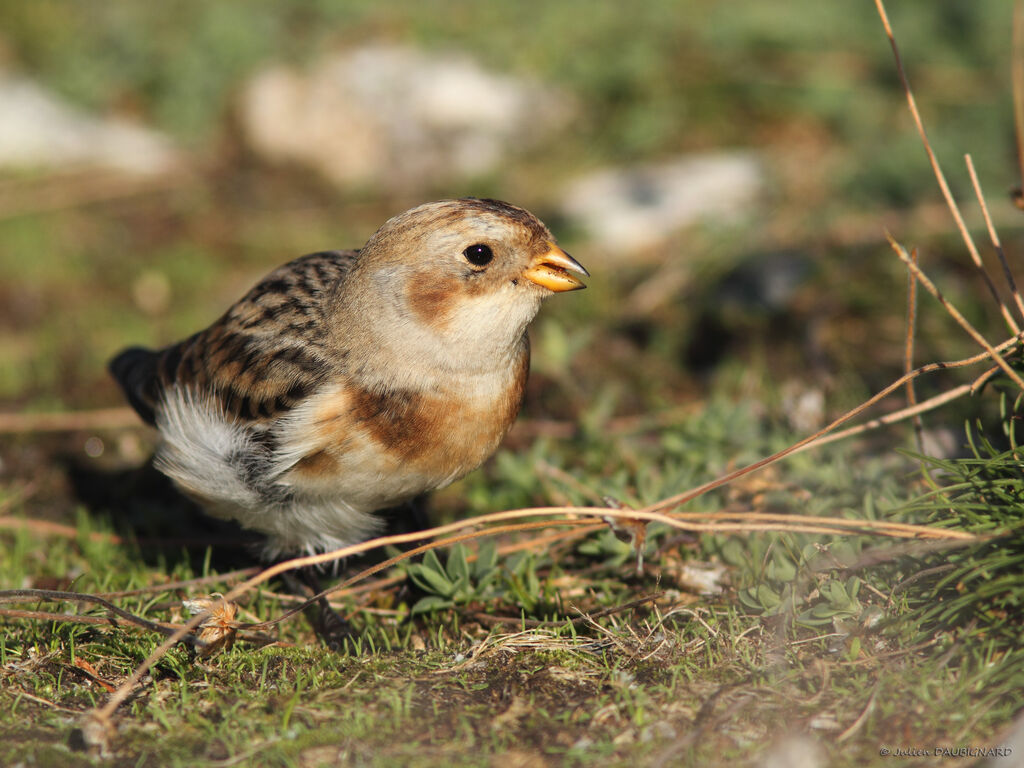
[
  {"x": 317, "y": 464},
  {"x": 513, "y": 399},
  {"x": 434, "y": 432},
  {"x": 396, "y": 419}
]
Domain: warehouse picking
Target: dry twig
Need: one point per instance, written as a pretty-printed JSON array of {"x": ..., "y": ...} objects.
[
  {"x": 972, "y": 249},
  {"x": 36, "y": 595},
  {"x": 955, "y": 314},
  {"x": 994, "y": 236},
  {"x": 908, "y": 354},
  {"x": 72, "y": 421},
  {"x": 1018, "y": 92}
]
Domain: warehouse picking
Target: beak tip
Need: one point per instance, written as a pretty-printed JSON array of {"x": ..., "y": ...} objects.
[{"x": 553, "y": 270}]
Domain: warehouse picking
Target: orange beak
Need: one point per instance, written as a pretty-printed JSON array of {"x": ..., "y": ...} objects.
[{"x": 552, "y": 268}]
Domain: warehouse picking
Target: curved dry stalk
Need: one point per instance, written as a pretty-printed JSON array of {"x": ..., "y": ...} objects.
[
  {"x": 983, "y": 379},
  {"x": 50, "y": 528},
  {"x": 896, "y": 416},
  {"x": 340, "y": 588},
  {"x": 817, "y": 437},
  {"x": 796, "y": 523},
  {"x": 972, "y": 249},
  {"x": 749, "y": 520},
  {"x": 992, "y": 234},
  {"x": 955, "y": 313},
  {"x": 722, "y": 522},
  {"x": 36, "y": 595},
  {"x": 908, "y": 354},
  {"x": 69, "y": 421},
  {"x": 220, "y": 578},
  {"x": 1018, "y": 84}
]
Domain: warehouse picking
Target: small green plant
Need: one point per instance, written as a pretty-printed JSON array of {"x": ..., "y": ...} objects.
[
  {"x": 975, "y": 594},
  {"x": 780, "y": 592},
  {"x": 463, "y": 580},
  {"x": 460, "y": 580},
  {"x": 839, "y": 602}
]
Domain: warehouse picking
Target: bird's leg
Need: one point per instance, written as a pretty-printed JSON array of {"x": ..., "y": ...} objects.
[
  {"x": 333, "y": 629},
  {"x": 329, "y": 626}
]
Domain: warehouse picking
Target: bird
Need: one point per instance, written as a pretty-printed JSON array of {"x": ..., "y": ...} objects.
[{"x": 348, "y": 382}]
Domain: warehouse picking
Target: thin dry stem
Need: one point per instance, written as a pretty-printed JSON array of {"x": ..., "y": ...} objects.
[
  {"x": 939, "y": 175},
  {"x": 896, "y": 416},
  {"x": 46, "y": 702},
  {"x": 49, "y": 528},
  {"x": 955, "y": 314},
  {"x": 1018, "y": 82},
  {"x": 994, "y": 236},
  {"x": 859, "y": 722},
  {"x": 35, "y": 595},
  {"x": 908, "y": 354},
  {"x": 220, "y": 578},
  {"x": 723, "y": 522},
  {"x": 104, "y": 418},
  {"x": 816, "y": 438},
  {"x": 981, "y": 380},
  {"x": 797, "y": 523}
]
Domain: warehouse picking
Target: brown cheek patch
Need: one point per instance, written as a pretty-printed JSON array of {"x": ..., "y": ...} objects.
[{"x": 430, "y": 297}]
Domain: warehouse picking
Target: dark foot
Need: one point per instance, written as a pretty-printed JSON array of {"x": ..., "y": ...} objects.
[
  {"x": 328, "y": 625},
  {"x": 410, "y": 517}
]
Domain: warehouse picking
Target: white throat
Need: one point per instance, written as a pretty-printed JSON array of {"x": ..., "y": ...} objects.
[{"x": 482, "y": 335}]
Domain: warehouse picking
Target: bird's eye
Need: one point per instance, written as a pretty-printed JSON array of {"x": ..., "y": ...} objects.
[{"x": 478, "y": 254}]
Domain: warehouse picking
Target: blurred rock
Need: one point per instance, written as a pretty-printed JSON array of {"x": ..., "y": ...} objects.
[
  {"x": 765, "y": 301},
  {"x": 151, "y": 292},
  {"x": 804, "y": 407},
  {"x": 945, "y": 443},
  {"x": 701, "y": 578},
  {"x": 392, "y": 117},
  {"x": 39, "y": 131},
  {"x": 794, "y": 751},
  {"x": 637, "y": 208}
]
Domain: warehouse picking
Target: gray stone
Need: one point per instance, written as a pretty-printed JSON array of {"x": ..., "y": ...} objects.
[
  {"x": 388, "y": 117},
  {"x": 637, "y": 208},
  {"x": 39, "y": 131}
]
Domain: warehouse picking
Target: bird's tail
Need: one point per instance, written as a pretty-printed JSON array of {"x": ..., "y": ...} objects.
[{"x": 135, "y": 370}]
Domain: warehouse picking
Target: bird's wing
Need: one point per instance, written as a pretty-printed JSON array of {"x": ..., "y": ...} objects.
[{"x": 262, "y": 357}]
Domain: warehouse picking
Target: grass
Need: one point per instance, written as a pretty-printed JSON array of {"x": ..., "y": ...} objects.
[
  {"x": 704, "y": 678},
  {"x": 560, "y": 653}
]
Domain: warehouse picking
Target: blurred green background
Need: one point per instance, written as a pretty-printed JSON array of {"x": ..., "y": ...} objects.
[
  {"x": 702, "y": 343},
  {"x": 810, "y": 89}
]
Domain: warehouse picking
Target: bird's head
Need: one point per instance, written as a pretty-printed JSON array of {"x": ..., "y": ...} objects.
[{"x": 469, "y": 272}]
